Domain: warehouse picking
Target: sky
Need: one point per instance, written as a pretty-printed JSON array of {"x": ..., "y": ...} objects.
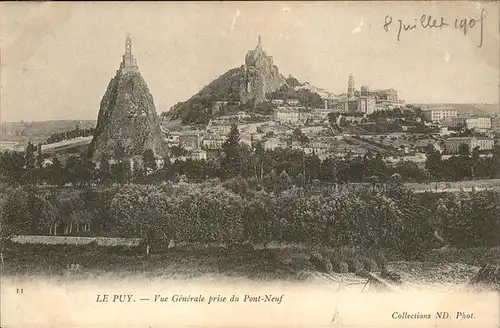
[{"x": 58, "y": 58}]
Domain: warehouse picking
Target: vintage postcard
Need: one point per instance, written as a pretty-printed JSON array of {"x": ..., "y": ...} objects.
[{"x": 249, "y": 164}]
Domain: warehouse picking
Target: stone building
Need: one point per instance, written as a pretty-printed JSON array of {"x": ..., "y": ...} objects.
[
  {"x": 495, "y": 124},
  {"x": 453, "y": 144},
  {"x": 439, "y": 114},
  {"x": 478, "y": 123},
  {"x": 285, "y": 115},
  {"x": 129, "y": 63}
]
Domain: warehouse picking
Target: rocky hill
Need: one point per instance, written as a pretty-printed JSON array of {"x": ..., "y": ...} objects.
[
  {"x": 127, "y": 122},
  {"x": 242, "y": 87}
]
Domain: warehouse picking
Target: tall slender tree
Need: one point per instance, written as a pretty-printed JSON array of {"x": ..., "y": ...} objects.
[{"x": 231, "y": 163}]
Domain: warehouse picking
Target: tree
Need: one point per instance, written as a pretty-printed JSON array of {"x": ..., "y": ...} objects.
[
  {"x": 104, "y": 171},
  {"x": 464, "y": 150},
  {"x": 39, "y": 157},
  {"x": 134, "y": 208},
  {"x": 72, "y": 169},
  {"x": 55, "y": 172},
  {"x": 475, "y": 153},
  {"x": 139, "y": 169},
  {"x": 178, "y": 151},
  {"x": 284, "y": 182},
  {"x": 299, "y": 136},
  {"x": 312, "y": 168},
  {"x": 70, "y": 209},
  {"x": 15, "y": 217},
  {"x": 29, "y": 163},
  {"x": 429, "y": 149},
  {"x": 258, "y": 157},
  {"x": 12, "y": 165},
  {"x": 29, "y": 156},
  {"x": 261, "y": 221},
  {"x": 292, "y": 81},
  {"x": 328, "y": 170},
  {"x": 231, "y": 163},
  {"x": 434, "y": 164},
  {"x": 149, "y": 159},
  {"x": 495, "y": 161},
  {"x": 87, "y": 170}
]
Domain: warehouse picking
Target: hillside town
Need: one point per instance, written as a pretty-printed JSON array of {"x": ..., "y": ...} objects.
[
  {"x": 348, "y": 125},
  {"x": 255, "y": 172}
]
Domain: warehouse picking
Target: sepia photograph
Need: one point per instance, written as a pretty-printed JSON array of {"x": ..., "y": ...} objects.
[{"x": 250, "y": 164}]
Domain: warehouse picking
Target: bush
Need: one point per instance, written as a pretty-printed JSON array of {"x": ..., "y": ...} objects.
[
  {"x": 369, "y": 264},
  {"x": 328, "y": 266},
  {"x": 391, "y": 276},
  {"x": 318, "y": 260},
  {"x": 355, "y": 265},
  {"x": 379, "y": 258},
  {"x": 340, "y": 267}
]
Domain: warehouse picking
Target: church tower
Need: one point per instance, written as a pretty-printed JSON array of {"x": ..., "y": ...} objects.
[
  {"x": 129, "y": 63},
  {"x": 259, "y": 44},
  {"x": 350, "y": 87}
]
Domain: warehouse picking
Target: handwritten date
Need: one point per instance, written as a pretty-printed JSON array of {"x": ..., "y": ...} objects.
[{"x": 429, "y": 22}]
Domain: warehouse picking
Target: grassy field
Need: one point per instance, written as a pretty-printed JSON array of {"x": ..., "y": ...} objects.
[{"x": 449, "y": 266}]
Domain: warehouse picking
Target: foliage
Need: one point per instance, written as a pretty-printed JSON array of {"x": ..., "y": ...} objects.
[
  {"x": 292, "y": 81},
  {"x": 75, "y": 133},
  {"x": 197, "y": 109},
  {"x": 306, "y": 97},
  {"x": 240, "y": 211}
]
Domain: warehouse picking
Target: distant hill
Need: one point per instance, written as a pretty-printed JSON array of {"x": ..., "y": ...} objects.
[
  {"x": 244, "y": 88},
  {"x": 199, "y": 107},
  {"x": 23, "y": 132},
  {"x": 463, "y": 108}
]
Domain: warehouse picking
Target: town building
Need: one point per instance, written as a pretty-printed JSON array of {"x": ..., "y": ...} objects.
[
  {"x": 318, "y": 114},
  {"x": 438, "y": 114},
  {"x": 495, "y": 124},
  {"x": 384, "y": 95},
  {"x": 443, "y": 131},
  {"x": 214, "y": 141},
  {"x": 273, "y": 143},
  {"x": 453, "y": 144},
  {"x": 218, "y": 106},
  {"x": 172, "y": 139},
  {"x": 320, "y": 149},
  {"x": 277, "y": 102},
  {"x": 340, "y": 105},
  {"x": 366, "y": 104},
  {"x": 198, "y": 155},
  {"x": 222, "y": 129},
  {"x": 285, "y": 115},
  {"x": 190, "y": 140},
  {"x": 160, "y": 161},
  {"x": 478, "y": 123}
]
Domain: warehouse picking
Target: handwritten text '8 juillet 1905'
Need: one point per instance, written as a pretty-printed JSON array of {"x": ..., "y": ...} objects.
[{"x": 464, "y": 24}]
